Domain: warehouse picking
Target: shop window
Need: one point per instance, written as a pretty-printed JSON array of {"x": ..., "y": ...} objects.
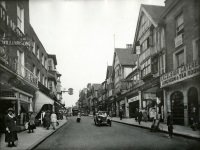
[
  {"x": 179, "y": 24},
  {"x": 20, "y": 17},
  {"x": 180, "y": 58}
]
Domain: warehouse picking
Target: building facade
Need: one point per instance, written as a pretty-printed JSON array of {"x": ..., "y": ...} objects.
[
  {"x": 181, "y": 82},
  {"x": 24, "y": 83}
]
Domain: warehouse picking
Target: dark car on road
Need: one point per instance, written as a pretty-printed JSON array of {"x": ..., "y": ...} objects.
[{"x": 101, "y": 118}]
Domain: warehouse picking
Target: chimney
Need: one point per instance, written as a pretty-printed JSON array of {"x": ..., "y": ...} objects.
[{"x": 129, "y": 46}]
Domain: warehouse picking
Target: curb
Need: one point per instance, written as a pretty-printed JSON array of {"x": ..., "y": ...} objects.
[
  {"x": 175, "y": 133},
  {"x": 44, "y": 138}
]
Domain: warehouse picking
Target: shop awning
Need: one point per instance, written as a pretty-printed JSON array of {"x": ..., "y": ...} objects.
[{"x": 42, "y": 99}]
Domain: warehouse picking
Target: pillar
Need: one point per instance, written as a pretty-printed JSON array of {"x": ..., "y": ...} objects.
[
  {"x": 127, "y": 107},
  {"x": 140, "y": 99}
]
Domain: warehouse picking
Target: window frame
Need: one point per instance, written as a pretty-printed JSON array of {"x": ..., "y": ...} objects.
[{"x": 179, "y": 31}]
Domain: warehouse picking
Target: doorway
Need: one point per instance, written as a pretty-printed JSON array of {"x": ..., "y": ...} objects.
[
  {"x": 177, "y": 107},
  {"x": 193, "y": 108}
]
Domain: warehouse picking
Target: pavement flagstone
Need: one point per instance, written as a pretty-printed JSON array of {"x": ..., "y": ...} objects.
[
  {"x": 27, "y": 141},
  {"x": 178, "y": 130}
]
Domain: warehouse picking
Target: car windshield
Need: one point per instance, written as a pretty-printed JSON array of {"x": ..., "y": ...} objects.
[{"x": 102, "y": 113}]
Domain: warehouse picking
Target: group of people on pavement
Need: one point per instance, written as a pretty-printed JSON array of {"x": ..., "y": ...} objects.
[
  {"x": 48, "y": 119},
  {"x": 139, "y": 115},
  {"x": 11, "y": 127}
]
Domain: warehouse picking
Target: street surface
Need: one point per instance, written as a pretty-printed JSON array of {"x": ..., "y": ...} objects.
[{"x": 86, "y": 135}]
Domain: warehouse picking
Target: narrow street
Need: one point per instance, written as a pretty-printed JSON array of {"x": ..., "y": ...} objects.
[{"x": 86, "y": 135}]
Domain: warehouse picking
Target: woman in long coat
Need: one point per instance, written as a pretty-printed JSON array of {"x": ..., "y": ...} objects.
[{"x": 10, "y": 124}]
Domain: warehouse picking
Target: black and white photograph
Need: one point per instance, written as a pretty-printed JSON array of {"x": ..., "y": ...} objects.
[{"x": 99, "y": 74}]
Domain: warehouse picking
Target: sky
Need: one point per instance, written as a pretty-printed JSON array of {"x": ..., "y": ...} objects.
[{"x": 82, "y": 34}]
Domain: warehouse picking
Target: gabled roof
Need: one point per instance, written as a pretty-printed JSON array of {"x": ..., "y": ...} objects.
[
  {"x": 154, "y": 11},
  {"x": 126, "y": 57}
]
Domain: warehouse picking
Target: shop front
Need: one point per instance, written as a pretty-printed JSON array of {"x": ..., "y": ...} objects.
[
  {"x": 20, "y": 101},
  {"x": 122, "y": 107},
  {"x": 181, "y": 93}
]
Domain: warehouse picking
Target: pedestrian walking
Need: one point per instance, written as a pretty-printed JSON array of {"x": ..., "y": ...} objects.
[
  {"x": 139, "y": 117},
  {"x": 120, "y": 114},
  {"x": 11, "y": 132},
  {"x": 42, "y": 118},
  {"x": 31, "y": 123},
  {"x": 170, "y": 124},
  {"x": 47, "y": 118},
  {"x": 54, "y": 120},
  {"x": 145, "y": 115},
  {"x": 136, "y": 114}
]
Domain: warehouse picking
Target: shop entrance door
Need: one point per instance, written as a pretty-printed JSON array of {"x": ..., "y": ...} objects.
[
  {"x": 132, "y": 108},
  {"x": 177, "y": 107},
  {"x": 193, "y": 108}
]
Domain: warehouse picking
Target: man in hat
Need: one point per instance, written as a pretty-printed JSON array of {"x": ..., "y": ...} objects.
[
  {"x": 170, "y": 124},
  {"x": 10, "y": 124}
]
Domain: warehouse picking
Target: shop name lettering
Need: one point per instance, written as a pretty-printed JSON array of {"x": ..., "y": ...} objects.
[
  {"x": 181, "y": 73},
  {"x": 6, "y": 42}
]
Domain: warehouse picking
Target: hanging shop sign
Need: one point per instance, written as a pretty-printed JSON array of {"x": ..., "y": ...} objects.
[
  {"x": 182, "y": 73},
  {"x": 135, "y": 98},
  {"x": 149, "y": 96},
  {"x": 122, "y": 102},
  {"x": 21, "y": 42}
]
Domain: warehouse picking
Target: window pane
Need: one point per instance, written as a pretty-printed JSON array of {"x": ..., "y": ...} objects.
[{"x": 180, "y": 59}]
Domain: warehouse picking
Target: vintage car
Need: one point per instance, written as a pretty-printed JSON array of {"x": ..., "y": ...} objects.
[{"x": 101, "y": 118}]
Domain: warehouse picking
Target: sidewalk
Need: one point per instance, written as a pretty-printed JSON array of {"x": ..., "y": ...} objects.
[
  {"x": 178, "y": 130},
  {"x": 27, "y": 141}
]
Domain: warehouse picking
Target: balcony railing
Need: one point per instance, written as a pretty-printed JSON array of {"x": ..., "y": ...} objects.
[
  {"x": 27, "y": 74},
  {"x": 12, "y": 65}
]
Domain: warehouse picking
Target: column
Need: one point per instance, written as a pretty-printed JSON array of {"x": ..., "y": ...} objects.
[
  {"x": 127, "y": 107},
  {"x": 140, "y": 99}
]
